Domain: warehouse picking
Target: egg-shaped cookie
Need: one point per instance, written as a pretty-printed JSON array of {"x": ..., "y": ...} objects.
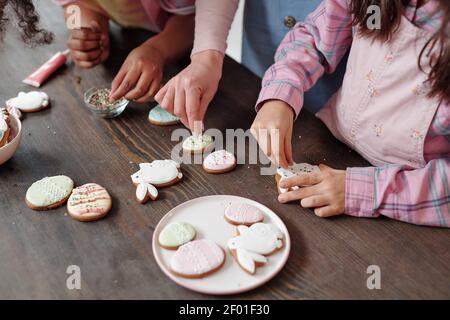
[
  {"x": 89, "y": 202},
  {"x": 220, "y": 161},
  {"x": 176, "y": 234},
  {"x": 198, "y": 144},
  {"x": 243, "y": 214},
  {"x": 197, "y": 259},
  {"x": 49, "y": 193}
]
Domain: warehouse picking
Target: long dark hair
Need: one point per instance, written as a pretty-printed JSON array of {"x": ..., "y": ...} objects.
[
  {"x": 391, "y": 12},
  {"x": 27, "y": 19}
]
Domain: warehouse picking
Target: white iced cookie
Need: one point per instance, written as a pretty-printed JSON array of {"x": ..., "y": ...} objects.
[
  {"x": 249, "y": 260},
  {"x": 176, "y": 234},
  {"x": 157, "y": 174},
  {"x": 198, "y": 144},
  {"x": 254, "y": 242},
  {"x": 220, "y": 161},
  {"x": 49, "y": 193},
  {"x": 294, "y": 170},
  {"x": 146, "y": 191},
  {"x": 29, "y": 102}
]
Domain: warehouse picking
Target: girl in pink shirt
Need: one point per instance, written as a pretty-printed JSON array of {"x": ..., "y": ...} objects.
[
  {"x": 141, "y": 73},
  {"x": 393, "y": 108}
]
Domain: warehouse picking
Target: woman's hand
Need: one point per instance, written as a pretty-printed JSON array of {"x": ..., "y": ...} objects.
[
  {"x": 89, "y": 46},
  {"x": 140, "y": 76},
  {"x": 272, "y": 129},
  {"x": 323, "y": 190},
  {"x": 188, "y": 94}
]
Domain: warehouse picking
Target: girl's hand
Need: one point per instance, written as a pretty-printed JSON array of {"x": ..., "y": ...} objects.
[
  {"x": 272, "y": 129},
  {"x": 140, "y": 76},
  {"x": 89, "y": 46},
  {"x": 188, "y": 94},
  {"x": 324, "y": 191}
]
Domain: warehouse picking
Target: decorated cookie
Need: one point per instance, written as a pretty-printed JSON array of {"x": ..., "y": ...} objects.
[
  {"x": 146, "y": 191},
  {"x": 243, "y": 214},
  {"x": 29, "y": 102},
  {"x": 198, "y": 144},
  {"x": 295, "y": 170},
  {"x": 49, "y": 193},
  {"x": 176, "y": 234},
  {"x": 89, "y": 202},
  {"x": 157, "y": 174},
  {"x": 14, "y": 112},
  {"x": 4, "y": 127},
  {"x": 160, "y": 117},
  {"x": 197, "y": 259},
  {"x": 220, "y": 161},
  {"x": 248, "y": 260},
  {"x": 252, "y": 243}
]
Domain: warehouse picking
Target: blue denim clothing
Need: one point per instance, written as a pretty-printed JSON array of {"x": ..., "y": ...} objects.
[{"x": 264, "y": 28}]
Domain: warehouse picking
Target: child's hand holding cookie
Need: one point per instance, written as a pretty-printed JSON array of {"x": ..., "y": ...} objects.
[
  {"x": 323, "y": 190},
  {"x": 140, "y": 76}
]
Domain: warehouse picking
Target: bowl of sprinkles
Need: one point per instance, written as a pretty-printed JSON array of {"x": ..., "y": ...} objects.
[{"x": 97, "y": 101}]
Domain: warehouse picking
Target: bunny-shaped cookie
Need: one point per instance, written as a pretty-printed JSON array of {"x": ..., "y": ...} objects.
[
  {"x": 157, "y": 174},
  {"x": 253, "y": 243}
]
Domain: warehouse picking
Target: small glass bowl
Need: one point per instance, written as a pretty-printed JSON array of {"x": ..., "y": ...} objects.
[{"x": 107, "y": 113}]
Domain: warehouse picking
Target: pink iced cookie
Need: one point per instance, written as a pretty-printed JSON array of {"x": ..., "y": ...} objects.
[
  {"x": 243, "y": 214},
  {"x": 197, "y": 259},
  {"x": 89, "y": 202},
  {"x": 220, "y": 161}
]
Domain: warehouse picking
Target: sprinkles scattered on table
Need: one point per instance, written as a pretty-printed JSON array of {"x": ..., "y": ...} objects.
[{"x": 100, "y": 100}]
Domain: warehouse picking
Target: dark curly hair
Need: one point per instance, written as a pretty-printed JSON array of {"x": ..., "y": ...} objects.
[{"x": 27, "y": 20}]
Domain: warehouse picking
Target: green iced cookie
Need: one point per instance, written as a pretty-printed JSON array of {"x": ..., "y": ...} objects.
[
  {"x": 197, "y": 143},
  {"x": 176, "y": 234},
  {"x": 49, "y": 192}
]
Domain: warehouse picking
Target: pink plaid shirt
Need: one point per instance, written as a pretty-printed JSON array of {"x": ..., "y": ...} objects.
[{"x": 419, "y": 196}]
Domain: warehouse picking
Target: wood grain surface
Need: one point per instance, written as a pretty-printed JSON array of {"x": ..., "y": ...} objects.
[{"x": 328, "y": 260}]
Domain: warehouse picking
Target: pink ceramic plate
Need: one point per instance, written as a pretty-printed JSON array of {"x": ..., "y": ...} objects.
[{"x": 206, "y": 214}]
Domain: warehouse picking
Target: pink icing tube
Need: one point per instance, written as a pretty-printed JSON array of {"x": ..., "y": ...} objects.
[{"x": 37, "y": 78}]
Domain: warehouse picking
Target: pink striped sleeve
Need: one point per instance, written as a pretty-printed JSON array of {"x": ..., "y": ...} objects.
[
  {"x": 420, "y": 196},
  {"x": 307, "y": 52},
  {"x": 213, "y": 20}
]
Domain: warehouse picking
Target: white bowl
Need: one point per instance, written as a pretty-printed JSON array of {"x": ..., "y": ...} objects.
[{"x": 7, "y": 151}]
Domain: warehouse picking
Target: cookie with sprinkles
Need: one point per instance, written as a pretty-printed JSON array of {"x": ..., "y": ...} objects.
[
  {"x": 297, "y": 169},
  {"x": 198, "y": 144},
  {"x": 219, "y": 162},
  {"x": 89, "y": 202}
]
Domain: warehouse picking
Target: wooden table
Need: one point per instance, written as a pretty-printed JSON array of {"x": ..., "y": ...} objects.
[{"x": 329, "y": 258}]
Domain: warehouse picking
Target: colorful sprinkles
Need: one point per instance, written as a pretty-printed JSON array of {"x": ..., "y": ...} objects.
[{"x": 100, "y": 100}]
